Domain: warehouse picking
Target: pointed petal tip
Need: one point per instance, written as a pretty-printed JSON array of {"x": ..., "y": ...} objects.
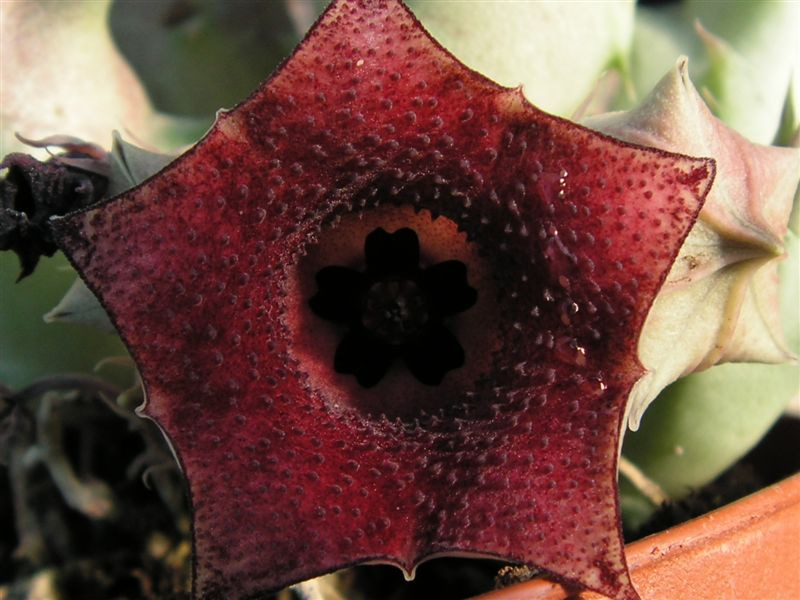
[
  {"x": 681, "y": 70},
  {"x": 682, "y": 64}
]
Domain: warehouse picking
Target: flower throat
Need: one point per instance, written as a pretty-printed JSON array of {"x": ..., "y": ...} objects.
[{"x": 394, "y": 309}]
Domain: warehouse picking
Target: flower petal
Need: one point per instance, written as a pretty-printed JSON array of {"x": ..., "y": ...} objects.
[{"x": 292, "y": 472}]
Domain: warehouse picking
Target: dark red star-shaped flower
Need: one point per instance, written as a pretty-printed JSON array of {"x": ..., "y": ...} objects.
[{"x": 210, "y": 271}]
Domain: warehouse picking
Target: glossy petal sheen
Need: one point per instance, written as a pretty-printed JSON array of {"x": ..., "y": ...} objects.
[{"x": 286, "y": 480}]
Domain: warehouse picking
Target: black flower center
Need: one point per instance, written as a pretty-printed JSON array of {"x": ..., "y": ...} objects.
[{"x": 394, "y": 309}]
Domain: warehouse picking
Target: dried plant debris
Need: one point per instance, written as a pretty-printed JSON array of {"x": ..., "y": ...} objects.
[
  {"x": 97, "y": 502},
  {"x": 33, "y": 191}
]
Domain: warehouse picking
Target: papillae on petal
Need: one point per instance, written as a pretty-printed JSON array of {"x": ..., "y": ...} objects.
[{"x": 207, "y": 269}]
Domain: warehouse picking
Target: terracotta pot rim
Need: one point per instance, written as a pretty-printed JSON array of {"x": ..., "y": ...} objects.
[{"x": 746, "y": 549}]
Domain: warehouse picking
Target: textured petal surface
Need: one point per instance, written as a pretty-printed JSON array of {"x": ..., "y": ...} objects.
[
  {"x": 292, "y": 473},
  {"x": 720, "y": 301}
]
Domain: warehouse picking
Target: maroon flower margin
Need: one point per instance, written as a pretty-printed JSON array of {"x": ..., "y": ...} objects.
[{"x": 290, "y": 476}]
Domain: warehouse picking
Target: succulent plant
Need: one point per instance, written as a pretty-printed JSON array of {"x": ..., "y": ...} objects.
[{"x": 387, "y": 310}]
